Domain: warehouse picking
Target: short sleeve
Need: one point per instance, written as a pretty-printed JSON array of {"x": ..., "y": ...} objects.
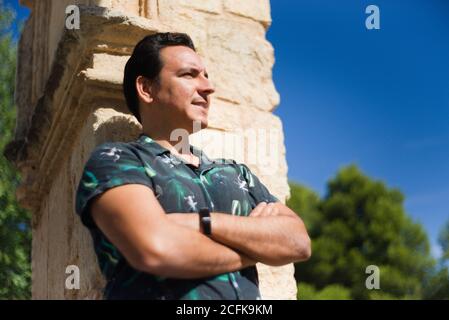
[
  {"x": 110, "y": 165},
  {"x": 256, "y": 189}
]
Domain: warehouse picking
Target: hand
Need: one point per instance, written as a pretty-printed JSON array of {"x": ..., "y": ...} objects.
[
  {"x": 247, "y": 262},
  {"x": 264, "y": 210}
]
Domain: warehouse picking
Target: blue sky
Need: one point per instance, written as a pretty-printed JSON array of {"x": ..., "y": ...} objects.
[{"x": 377, "y": 98}]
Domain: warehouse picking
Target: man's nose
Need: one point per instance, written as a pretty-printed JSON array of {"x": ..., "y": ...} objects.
[{"x": 206, "y": 86}]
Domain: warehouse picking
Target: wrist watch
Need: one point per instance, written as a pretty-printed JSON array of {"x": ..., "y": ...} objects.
[{"x": 205, "y": 221}]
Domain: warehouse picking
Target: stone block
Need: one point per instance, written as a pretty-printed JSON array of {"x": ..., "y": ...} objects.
[{"x": 258, "y": 10}]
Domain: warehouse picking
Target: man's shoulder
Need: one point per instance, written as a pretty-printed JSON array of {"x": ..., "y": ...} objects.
[
  {"x": 115, "y": 150},
  {"x": 227, "y": 161},
  {"x": 109, "y": 150},
  {"x": 224, "y": 161}
]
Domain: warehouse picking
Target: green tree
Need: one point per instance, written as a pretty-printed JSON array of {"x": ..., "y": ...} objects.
[
  {"x": 437, "y": 284},
  {"x": 331, "y": 292},
  {"x": 443, "y": 240},
  {"x": 306, "y": 202},
  {"x": 361, "y": 222},
  {"x": 15, "y": 238}
]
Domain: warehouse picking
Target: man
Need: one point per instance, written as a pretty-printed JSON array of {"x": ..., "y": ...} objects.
[{"x": 173, "y": 224}]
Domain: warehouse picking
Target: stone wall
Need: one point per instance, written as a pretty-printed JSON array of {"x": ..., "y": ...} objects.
[{"x": 69, "y": 100}]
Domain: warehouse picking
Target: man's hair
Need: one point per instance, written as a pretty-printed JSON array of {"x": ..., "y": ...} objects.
[{"x": 146, "y": 61}]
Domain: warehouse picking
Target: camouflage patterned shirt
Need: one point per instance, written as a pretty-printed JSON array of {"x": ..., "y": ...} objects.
[{"x": 222, "y": 186}]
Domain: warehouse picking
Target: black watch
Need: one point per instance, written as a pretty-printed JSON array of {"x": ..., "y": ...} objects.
[{"x": 205, "y": 221}]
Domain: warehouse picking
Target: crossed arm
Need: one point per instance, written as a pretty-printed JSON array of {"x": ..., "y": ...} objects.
[
  {"x": 273, "y": 234},
  {"x": 171, "y": 245}
]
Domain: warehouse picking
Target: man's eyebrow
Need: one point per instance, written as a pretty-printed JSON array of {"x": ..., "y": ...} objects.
[{"x": 192, "y": 68}]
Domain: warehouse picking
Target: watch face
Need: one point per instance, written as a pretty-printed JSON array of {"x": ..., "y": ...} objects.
[{"x": 205, "y": 220}]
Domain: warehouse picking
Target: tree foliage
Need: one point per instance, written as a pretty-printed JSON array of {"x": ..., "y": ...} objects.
[
  {"x": 443, "y": 240},
  {"x": 362, "y": 222},
  {"x": 331, "y": 292},
  {"x": 437, "y": 283},
  {"x": 15, "y": 237}
]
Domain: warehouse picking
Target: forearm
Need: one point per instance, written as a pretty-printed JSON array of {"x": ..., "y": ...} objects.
[
  {"x": 152, "y": 243},
  {"x": 189, "y": 254},
  {"x": 273, "y": 240}
]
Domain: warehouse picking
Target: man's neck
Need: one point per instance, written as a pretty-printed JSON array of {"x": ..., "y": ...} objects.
[{"x": 178, "y": 148}]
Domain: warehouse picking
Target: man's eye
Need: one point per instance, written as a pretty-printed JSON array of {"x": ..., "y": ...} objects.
[{"x": 188, "y": 75}]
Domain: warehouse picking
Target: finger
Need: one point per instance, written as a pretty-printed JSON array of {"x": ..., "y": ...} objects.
[
  {"x": 258, "y": 209},
  {"x": 262, "y": 204},
  {"x": 270, "y": 210},
  {"x": 274, "y": 208},
  {"x": 267, "y": 211}
]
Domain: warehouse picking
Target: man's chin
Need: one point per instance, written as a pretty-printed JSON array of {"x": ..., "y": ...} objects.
[{"x": 199, "y": 124}]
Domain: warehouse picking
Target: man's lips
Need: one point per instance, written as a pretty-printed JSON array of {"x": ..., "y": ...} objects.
[{"x": 200, "y": 103}]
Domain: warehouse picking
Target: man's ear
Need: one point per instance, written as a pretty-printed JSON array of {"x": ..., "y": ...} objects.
[{"x": 144, "y": 89}]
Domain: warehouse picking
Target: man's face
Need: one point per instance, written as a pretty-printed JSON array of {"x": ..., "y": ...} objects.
[{"x": 184, "y": 90}]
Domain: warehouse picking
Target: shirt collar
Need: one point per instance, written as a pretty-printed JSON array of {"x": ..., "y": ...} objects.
[
  {"x": 156, "y": 147},
  {"x": 160, "y": 150}
]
